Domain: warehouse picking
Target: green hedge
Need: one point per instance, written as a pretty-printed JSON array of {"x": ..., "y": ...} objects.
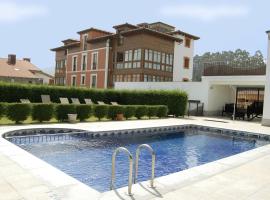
[
  {"x": 18, "y": 112},
  {"x": 129, "y": 111},
  {"x": 101, "y": 111},
  {"x": 83, "y": 111},
  {"x": 62, "y": 111},
  {"x": 114, "y": 110},
  {"x": 162, "y": 111},
  {"x": 175, "y": 100},
  {"x": 2, "y": 109},
  {"x": 141, "y": 111},
  {"x": 42, "y": 112}
]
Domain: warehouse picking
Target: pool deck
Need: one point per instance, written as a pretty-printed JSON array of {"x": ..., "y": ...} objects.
[{"x": 242, "y": 176}]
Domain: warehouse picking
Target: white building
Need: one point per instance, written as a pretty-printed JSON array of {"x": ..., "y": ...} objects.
[{"x": 215, "y": 90}]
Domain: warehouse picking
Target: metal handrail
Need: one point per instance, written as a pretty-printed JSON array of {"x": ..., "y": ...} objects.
[
  {"x": 153, "y": 162},
  {"x": 130, "y": 168}
]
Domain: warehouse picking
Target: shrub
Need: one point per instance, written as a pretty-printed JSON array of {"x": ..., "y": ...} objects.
[
  {"x": 62, "y": 111},
  {"x": 18, "y": 112},
  {"x": 114, "y": 110},
  {"x": 42, "y": 112},
  {"x": 2, "y": 109},
  {"x": 141, "y": 111},
  {"x": 162, "y": 111},
  {"x": 152, "y": 111},
  {"x": 83, "y": 111},
  {"x": 176, "y": 100},
  {"x": 129, "y": 111},
  {"x": 100, "y": 111}
]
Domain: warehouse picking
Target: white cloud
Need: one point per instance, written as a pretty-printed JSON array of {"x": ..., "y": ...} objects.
[
  {"x": 11, "y": 12},
  {"x": 205, "y": 12}
]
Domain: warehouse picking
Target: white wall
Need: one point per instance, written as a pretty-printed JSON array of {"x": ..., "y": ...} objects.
[
  {"x": 44, "y": 77},
  {"x": 180, "y": 51},
  {"x": 266, "y": 110}
]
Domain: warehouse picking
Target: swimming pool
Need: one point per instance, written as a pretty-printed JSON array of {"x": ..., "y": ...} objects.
[{"x": 88, "y": 159}]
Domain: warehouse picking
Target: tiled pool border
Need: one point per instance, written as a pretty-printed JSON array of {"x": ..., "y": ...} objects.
[
  {"x": 38, "y": 132},
  {"x": 173, "y": 181}
]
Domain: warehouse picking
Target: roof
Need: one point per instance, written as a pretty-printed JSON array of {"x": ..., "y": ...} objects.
[
  {"x": 22, "y": 69},
  {"x": 98, "y": 39},
  {"x": 125, "y": 24},
  {"x": 151, "y": 31},
  {"x": 137, "y": 30},
  {"x": 185, "y": 34},
  {"x": 268, "y": 31},
  {"x": 94, "y": 29},
  {"x": 70, "y": 40},
  {"x": 162, "y": 23},
  {"x": 66, "y": 46}
]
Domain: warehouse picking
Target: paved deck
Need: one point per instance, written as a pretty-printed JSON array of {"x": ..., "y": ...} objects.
[{"x": 243, "y": 176}]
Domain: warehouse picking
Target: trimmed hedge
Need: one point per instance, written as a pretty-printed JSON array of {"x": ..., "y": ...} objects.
[
  {"x": 2, "y": 109},
  {"x": 152, "y": 111},
  {"x": 162, "y": 111},
  {"x": 101, "y": 111},
  {"x": 18, "y": 112},
  {"x": 176, "y": 100},
  {"x": 114, "y": 110},
  {"x": 83, "y": 111},
  {"x": 129, "y": 111},
  {"x": 62, "y": 111},
  {"x": 42, "y": 112},
  {"x": 141, "y": 111}
]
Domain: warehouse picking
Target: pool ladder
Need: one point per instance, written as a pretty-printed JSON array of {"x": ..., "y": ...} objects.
[{"x": 130, "y": 177}]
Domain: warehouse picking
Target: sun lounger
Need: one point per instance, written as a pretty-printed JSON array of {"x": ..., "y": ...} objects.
[
  {"x": 46, "y": 99},
  {"x": 25, "y": 101},
  {"x": 101, "y": 103},
  {"x": 88, "y": 101},
  {"x": 75, "y": 101},
  {"x": 64, "y": 100}
]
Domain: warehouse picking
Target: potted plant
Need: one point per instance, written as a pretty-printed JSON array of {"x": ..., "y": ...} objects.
[{"x": 120, "y": 113}]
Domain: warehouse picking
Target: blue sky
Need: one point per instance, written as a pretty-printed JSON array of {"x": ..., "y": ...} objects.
[{"x": 30, "y": 28}]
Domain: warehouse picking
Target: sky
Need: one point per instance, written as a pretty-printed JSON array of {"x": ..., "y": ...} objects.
[{"x": 30, "y": 28}]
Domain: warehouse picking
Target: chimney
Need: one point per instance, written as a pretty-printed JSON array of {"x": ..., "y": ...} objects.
[
  {"x": 27, "y": 59},
  {"x": 12, "y": 59}
]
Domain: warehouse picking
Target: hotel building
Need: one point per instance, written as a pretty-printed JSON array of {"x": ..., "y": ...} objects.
[{"x": 145, "y": 52}]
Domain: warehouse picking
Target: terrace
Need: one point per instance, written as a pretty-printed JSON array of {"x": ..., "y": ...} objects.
[{"x": 24, "y": 176}]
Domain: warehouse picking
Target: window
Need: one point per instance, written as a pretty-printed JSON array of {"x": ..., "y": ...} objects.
[
  {"x": 146, "y": 54},
  {"x": 83, "y": 79},
  {"x": 119, "y": 57},
  {"x": 163, "y": 58},
  {"x": 84, "y": 62},
  {"x": 73, "y": 80},
  {"x": 150, "y": 55},
  {"x": 74, "y": 63},
  {"x": 186, "y": 62},
  {"x": 137, "y": 55},
  {"x": 85, "y": 42},
  {"x": 187, "y": 42},
  {"x": 120, "y": 40},
  {"x": 93, "y": 81},
  {"x": 128, "y": 55},
  {"x": 94, "y": 62}
]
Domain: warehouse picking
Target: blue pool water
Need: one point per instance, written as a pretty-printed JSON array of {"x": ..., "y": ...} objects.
[{"x": 89, "y": 160}]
